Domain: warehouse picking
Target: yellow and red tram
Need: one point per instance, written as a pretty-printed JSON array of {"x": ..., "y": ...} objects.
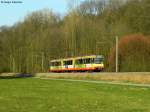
[{"x": 82, "y": 63}]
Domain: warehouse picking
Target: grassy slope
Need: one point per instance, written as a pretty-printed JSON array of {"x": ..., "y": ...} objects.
[{"x": 36, "y": 95}]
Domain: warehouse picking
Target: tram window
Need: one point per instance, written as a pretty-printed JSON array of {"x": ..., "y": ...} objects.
[
  {"x": 98, "y": 60},
  {"x": 89, "y": 60},
  {"x": 69, "y": 62},
  {"x": 79, "y": 61},
  {"x": 85, "y": 61},
  {"x": 92, "y": 60},
  {"x": 65, "y": 63}
]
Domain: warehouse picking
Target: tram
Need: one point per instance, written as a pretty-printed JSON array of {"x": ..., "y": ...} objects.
[{"x": 78, "y": 64}]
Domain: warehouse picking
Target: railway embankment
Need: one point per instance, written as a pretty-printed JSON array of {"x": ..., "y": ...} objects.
[{"x": 133, "y": 77}]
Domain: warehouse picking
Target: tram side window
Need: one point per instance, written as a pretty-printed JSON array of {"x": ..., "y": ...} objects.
[
  {"x": 79, "y": 61},
  {"x": 89, "y": 60},
  {"x": 92, "y": 60},
  {"x": 55, "y": 63},
  {"x": 68, "y": 62},
  {"x": 85, "y": 61}
]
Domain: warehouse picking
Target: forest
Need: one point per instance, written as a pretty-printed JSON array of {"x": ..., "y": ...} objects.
[{"x": 88, "y": 28}]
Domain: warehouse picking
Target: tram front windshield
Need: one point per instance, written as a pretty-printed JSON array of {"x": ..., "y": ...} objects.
[{"x": 99, "y": 60}]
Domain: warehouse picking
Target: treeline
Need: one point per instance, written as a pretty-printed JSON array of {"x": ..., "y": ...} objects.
[{"x": 88, "y": 28}]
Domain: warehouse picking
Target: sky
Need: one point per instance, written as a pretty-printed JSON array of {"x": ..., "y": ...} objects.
[{"x": 10, "y": 13}]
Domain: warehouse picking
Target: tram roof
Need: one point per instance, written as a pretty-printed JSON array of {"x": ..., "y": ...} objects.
[{"x": 78, "y": 57}]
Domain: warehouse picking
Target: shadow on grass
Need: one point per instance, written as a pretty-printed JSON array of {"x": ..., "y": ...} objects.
[{"x": 18, "y": 76}]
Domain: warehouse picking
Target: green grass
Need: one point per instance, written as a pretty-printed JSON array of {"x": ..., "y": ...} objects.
[{"x": 37, "y": 95}]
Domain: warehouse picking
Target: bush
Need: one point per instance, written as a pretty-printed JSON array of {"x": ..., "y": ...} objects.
[{"x": 134, "y": 54}]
